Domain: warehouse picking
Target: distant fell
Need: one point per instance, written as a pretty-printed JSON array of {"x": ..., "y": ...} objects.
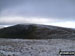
[{"x": 36, "y": 31}]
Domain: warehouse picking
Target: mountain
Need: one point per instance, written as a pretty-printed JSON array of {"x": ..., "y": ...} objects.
[{"x": 35, "y": 31}]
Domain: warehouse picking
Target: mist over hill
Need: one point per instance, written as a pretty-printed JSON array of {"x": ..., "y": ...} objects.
[{"x": 35, "y": 31}]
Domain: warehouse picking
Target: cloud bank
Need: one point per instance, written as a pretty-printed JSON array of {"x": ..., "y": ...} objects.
[
  {"x": 50, "y": 12},
  {"x": 17, "y": 20},
  {"x": 38, "y": 8},
  {"x": 34, "y": 20}
]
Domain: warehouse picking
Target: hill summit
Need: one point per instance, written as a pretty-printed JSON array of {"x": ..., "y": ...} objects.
[{"x": 35, "y": 31}]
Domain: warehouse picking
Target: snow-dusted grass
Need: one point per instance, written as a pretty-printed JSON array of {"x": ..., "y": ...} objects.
[{"x": 25, "y": 47}]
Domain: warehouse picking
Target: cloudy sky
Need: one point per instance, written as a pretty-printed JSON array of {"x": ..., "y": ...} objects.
[{"x": 48, "y": 12}]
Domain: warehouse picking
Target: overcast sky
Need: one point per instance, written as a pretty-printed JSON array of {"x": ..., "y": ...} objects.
[{"x": 50, "y": 12}]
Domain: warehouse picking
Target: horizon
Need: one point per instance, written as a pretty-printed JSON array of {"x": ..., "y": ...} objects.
[{"x": 5, "y": 26}]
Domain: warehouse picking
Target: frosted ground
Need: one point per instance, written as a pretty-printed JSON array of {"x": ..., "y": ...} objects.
[{"x": 25, "y": 47}]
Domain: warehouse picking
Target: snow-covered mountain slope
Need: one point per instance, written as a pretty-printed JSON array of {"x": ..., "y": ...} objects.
[{"x": 35, "y": 31}]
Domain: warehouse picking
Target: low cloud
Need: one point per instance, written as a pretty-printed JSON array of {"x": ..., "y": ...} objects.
[
  {"x": 18, "y": 20},
  {"x": 68, "y": 24},
  {"x": 48, "y": 12},
  {"x": 11, "y": 20}
]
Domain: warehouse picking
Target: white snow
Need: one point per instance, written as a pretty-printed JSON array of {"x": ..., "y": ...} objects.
[{"x": 43, "y": 47}]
